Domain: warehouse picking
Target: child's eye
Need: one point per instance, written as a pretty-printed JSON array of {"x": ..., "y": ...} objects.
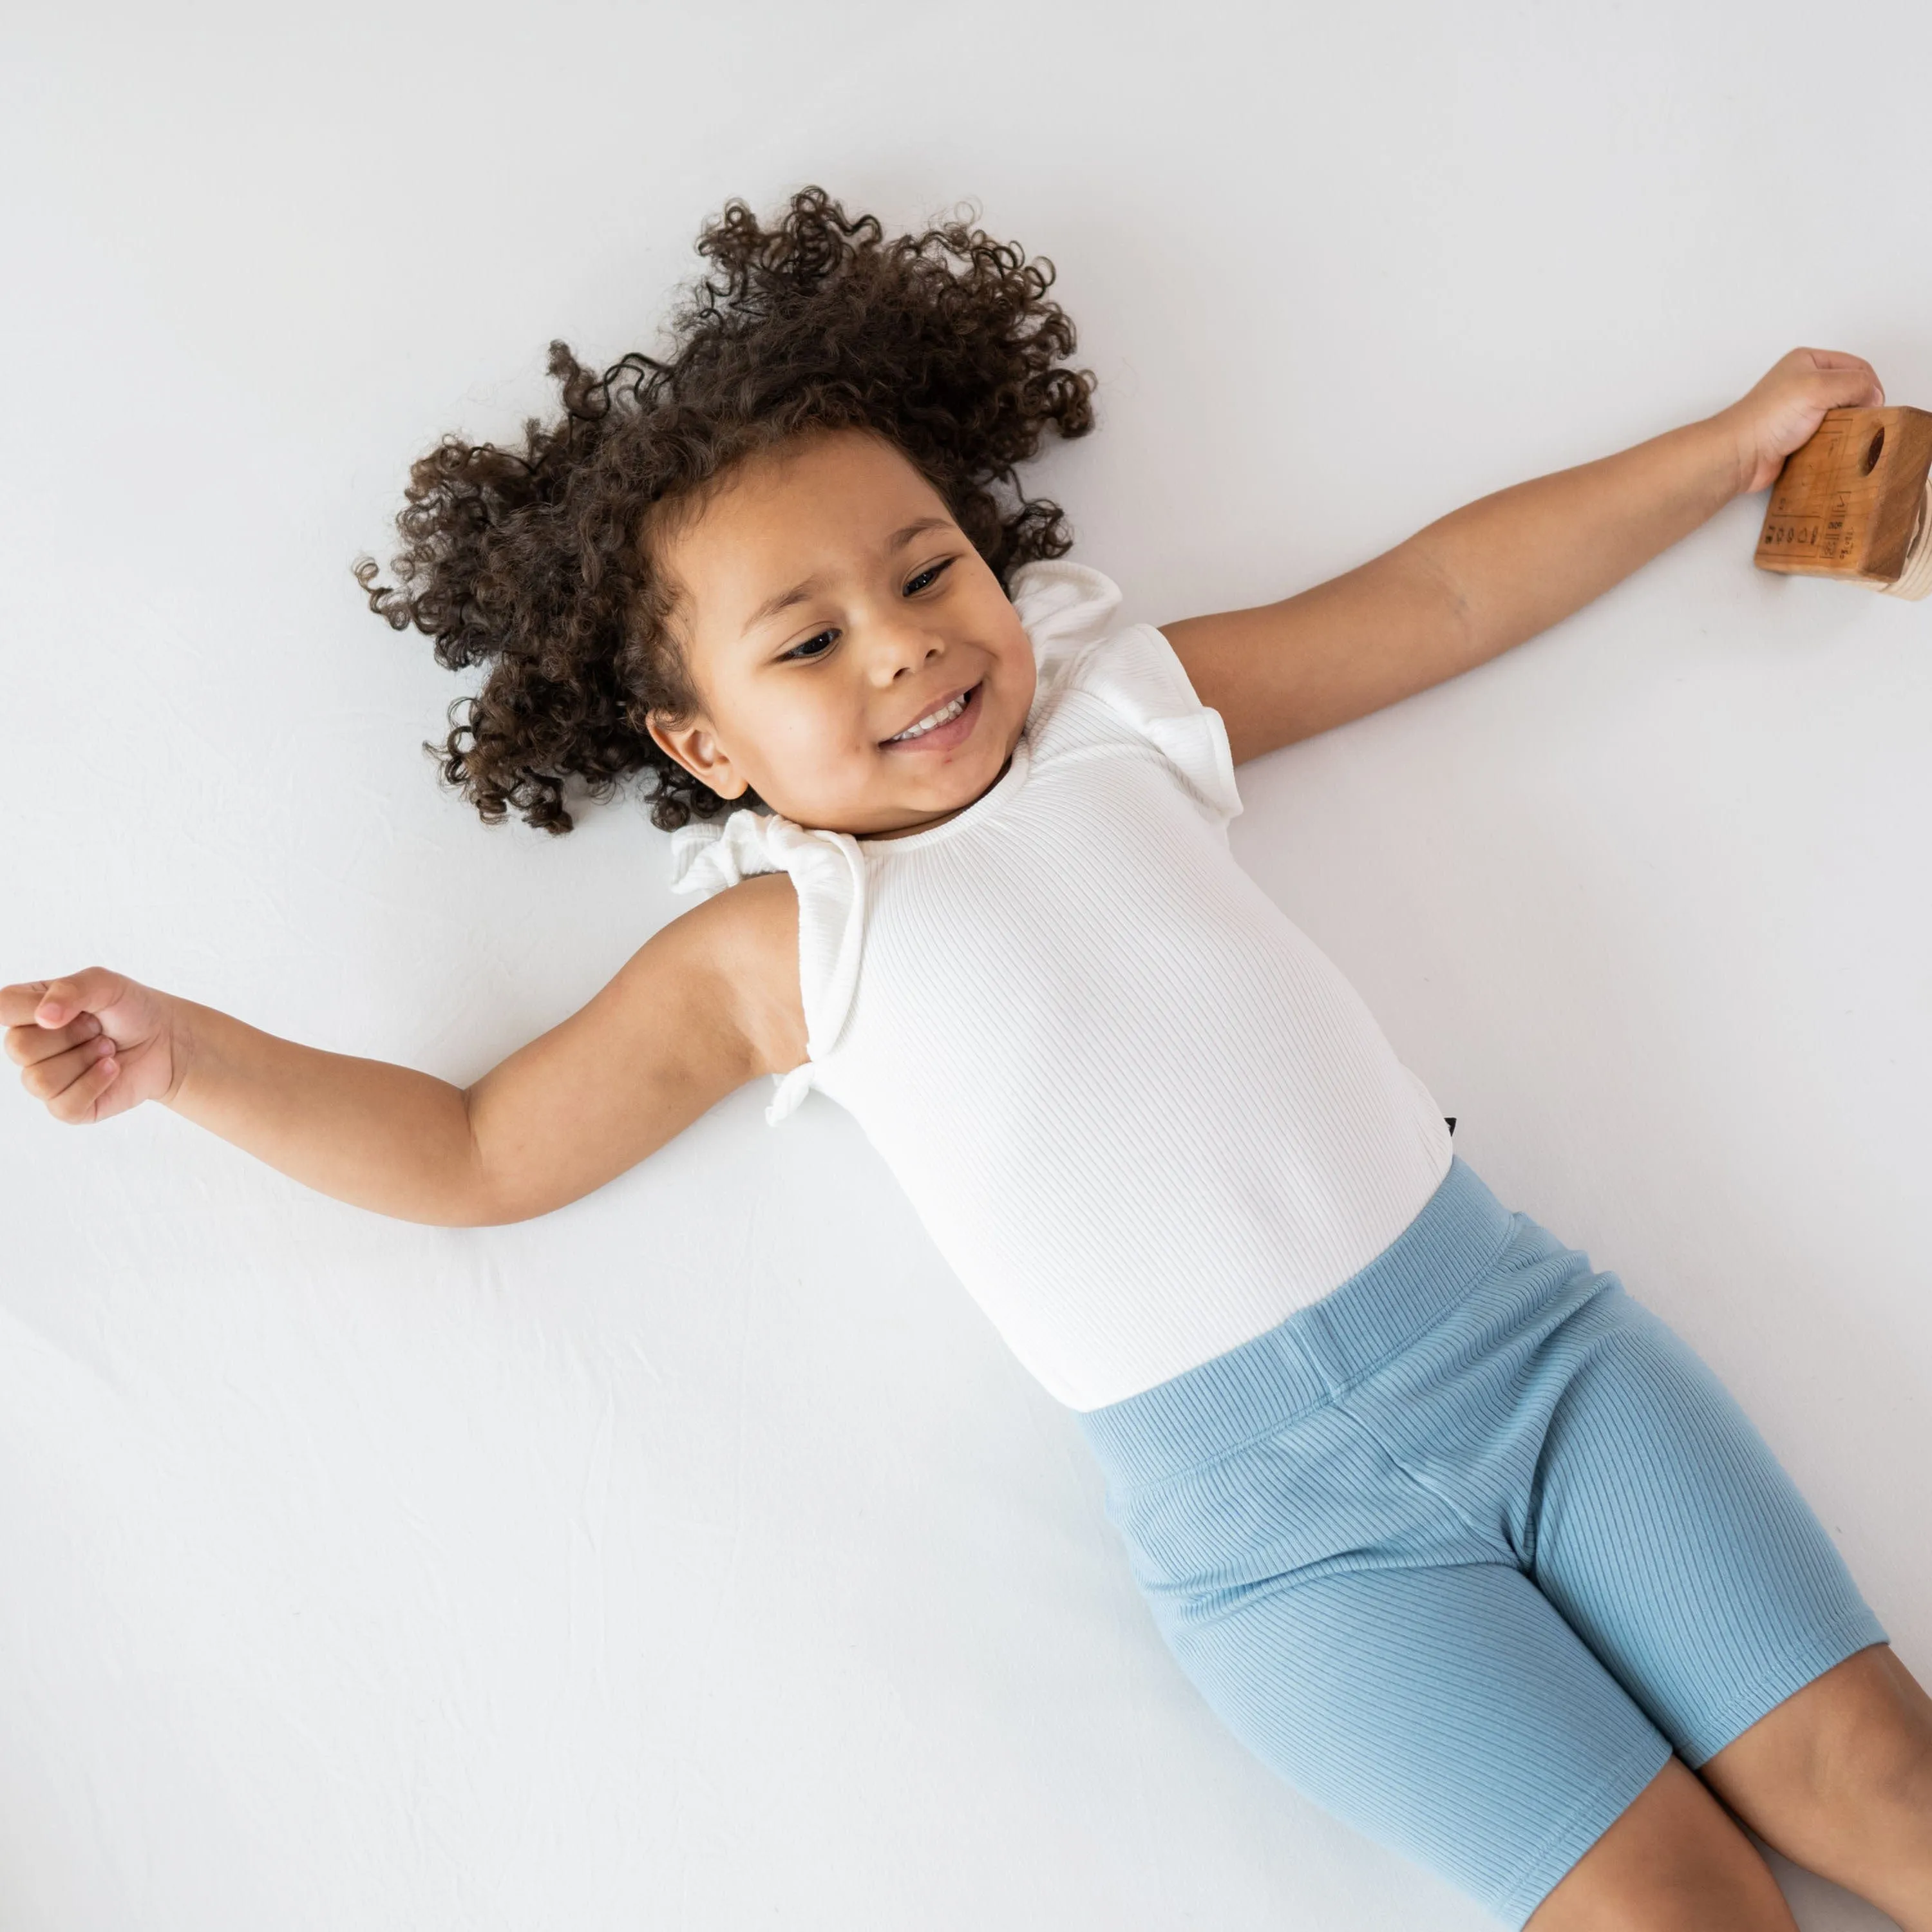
[
  {"x": 814, "y": 647},
  {"x": 929, "y": 575}
]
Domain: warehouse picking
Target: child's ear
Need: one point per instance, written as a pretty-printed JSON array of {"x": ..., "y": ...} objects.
[{"x": 692, "y": 743}]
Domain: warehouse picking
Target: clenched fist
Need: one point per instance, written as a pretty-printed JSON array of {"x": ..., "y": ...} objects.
[
  {"x": 92, "y": 1045},
  {"x": 1785, "y": 406}
]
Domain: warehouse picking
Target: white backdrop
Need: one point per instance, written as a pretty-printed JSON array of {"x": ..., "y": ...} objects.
[{"x": 695, "y": 1558}]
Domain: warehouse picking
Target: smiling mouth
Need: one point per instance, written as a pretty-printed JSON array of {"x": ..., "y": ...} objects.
[{"x": 944, "y": 714}]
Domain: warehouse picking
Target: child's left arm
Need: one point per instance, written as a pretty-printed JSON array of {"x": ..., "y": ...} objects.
[{"x": 1498, "y": 571}]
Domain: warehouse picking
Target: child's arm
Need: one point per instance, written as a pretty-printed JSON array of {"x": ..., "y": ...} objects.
[
  {"x": 707, "y": 1003},
  {"x": 1500, "y": 570}
]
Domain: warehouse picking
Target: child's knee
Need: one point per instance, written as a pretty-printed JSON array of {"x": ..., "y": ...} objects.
[
  {"x": 1674, "y": 1862},
  {"x": 1848, "y": 1755}
]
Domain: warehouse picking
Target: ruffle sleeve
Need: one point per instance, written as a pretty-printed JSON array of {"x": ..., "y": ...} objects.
[
  {"x": 1067, "y": 609},
  {"x": 828, "y": 872}
]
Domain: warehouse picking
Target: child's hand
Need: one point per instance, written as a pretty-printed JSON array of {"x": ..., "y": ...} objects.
[
  {"x": 1785, "y": 409},
  {"x": 93, "y": 1045}
]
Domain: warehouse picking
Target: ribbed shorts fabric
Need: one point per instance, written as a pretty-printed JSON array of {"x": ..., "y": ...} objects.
[{"x": 1465, "y": 1549}]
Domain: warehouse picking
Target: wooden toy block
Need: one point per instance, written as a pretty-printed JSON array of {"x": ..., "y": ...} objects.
[{"x": 1854, "y": 502}]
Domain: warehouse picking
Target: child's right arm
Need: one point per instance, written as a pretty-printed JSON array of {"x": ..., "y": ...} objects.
[{"x": 708, "y": 1003}]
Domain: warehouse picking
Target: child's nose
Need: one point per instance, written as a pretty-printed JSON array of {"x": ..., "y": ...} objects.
[{"x": 905, "y": 648}]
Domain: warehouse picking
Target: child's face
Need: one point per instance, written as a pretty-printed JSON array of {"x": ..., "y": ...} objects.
[{"x": 828, "y": 604}]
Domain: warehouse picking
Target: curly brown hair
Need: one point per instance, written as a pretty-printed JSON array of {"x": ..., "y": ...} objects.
[{"x": 536, "y": 563}]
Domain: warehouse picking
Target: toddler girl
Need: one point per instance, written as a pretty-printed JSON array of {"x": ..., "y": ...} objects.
[{"x": 1453, "y": 1532}]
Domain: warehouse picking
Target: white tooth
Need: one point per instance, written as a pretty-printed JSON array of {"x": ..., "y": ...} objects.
[{"x": 944, "y": 714}]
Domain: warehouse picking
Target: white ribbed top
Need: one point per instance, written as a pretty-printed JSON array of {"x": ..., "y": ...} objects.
[{"x": 1142, "y": 1115}]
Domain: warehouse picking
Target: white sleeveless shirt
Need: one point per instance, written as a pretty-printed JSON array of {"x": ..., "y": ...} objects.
[{"x": 1142, "y": 1115}]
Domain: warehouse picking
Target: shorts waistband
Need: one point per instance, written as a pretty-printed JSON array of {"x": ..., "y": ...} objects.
[{"x": 1312, "y": 1354}]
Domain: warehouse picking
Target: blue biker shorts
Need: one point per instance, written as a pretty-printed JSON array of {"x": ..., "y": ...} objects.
[{"x": 1465, "y": 1549}]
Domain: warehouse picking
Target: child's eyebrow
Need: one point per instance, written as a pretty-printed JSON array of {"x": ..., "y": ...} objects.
[
  {"x": 911, "y": 530},
  {"x": 799, "y": 592},
  {"x": 784, "y": 601}
]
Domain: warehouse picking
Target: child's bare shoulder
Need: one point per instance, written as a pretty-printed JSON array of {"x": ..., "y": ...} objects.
[
  {"x": 742, "y": 944},
  {"x": 753, "y": 925}
]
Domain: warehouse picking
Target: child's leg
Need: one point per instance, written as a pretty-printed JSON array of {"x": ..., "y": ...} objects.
[
  {"x": 1660, "y": 1525},
  {"x": 1448, "y": 1712},
  {"x": 1464, "y": 1549},
  {"x": 1675, "y": 1858},
  {"x": 1839, "y": 1778}
]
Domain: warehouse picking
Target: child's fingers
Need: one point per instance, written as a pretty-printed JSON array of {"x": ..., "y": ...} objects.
[
  {"x": 1854, "y": 388},
  {"x": 17, "y": 1003},
  {"x": 52, "y": 1003},
  {"x": 1838, "y": 358},
  {"x": 76, "y": 1106},
  {"x": 73, "y": 1079},
  {"x": 27, "y": 1045},
  {"x": 83, "y": 992},
  {"x": 1850, "y": 379}
]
